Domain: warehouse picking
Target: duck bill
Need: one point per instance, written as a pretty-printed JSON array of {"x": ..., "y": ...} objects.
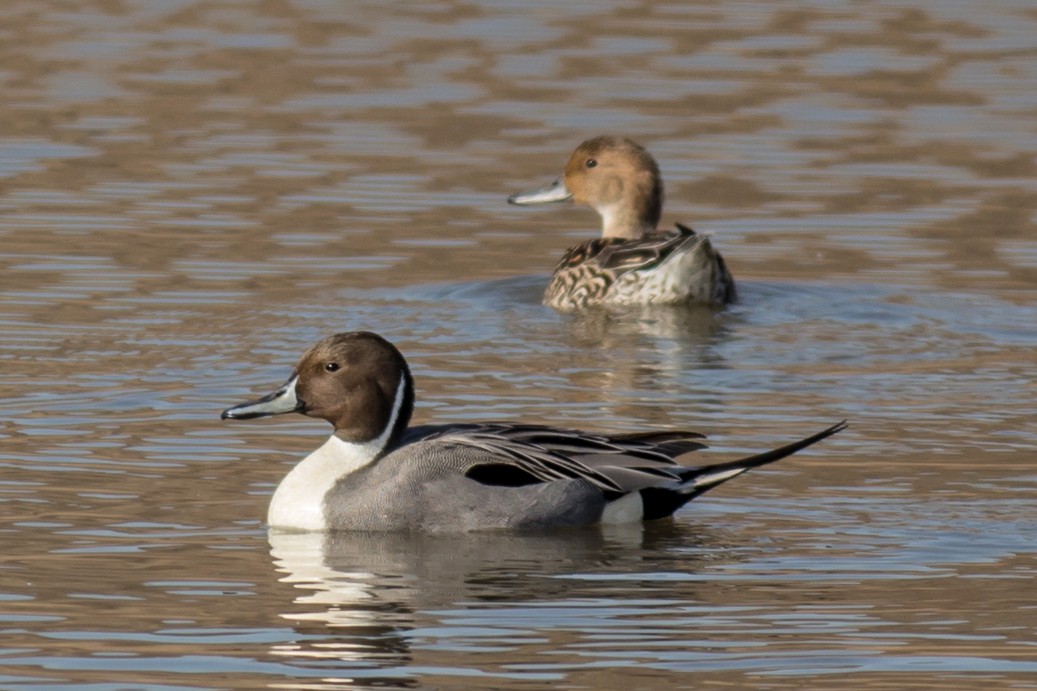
[
  {"x": 555, "y": 192},
  {"x": 281, "y": 401}
]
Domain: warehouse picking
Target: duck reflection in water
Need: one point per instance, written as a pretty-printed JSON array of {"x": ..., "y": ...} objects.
[{"x": 363, "y": 598}]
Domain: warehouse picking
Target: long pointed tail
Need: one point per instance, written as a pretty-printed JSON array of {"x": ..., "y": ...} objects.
[{"x": 709, "y": 477}]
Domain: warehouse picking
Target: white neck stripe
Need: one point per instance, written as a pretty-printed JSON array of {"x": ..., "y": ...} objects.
[{"x": 375, "y": 446}]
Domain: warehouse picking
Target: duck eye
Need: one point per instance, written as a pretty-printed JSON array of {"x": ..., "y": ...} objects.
[
  {"x": 591, "y": 163},
  {"x": 331, "y": 366}
]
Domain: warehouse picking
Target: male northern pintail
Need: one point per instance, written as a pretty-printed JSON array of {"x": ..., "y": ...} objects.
[
  {"x": 375, "y": 473},
  {"x": 633, "y": 262}
]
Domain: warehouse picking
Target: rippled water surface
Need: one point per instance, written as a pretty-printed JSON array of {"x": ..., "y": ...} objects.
[{"x": 193, "y": 192}]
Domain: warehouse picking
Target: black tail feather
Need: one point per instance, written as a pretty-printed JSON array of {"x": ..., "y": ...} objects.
[
  {"x": 660, "y": 503},
  {"x": 765, "y": 457}
]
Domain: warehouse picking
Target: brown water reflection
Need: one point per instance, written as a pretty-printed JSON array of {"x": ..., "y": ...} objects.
[{"x": 192, "y": 192}]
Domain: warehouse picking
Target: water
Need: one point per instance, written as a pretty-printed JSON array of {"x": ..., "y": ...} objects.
[{"x": 191, "y": 193}]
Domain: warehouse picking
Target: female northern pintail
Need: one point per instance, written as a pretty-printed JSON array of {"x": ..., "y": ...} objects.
[
  {"x": 376, "y": 474},
  {"x": 633, "y": 262}
]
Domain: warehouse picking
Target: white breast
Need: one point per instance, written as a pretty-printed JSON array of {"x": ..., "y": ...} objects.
[{"x": 298, "y": 502}]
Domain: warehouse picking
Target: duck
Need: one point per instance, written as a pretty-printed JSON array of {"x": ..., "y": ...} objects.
[
  {"x": 634, "y": 262},
  {"x": 378, "y": 473}
]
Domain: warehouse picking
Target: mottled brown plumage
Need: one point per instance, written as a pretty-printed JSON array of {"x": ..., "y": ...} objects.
[{"x": 633, "y": 262}]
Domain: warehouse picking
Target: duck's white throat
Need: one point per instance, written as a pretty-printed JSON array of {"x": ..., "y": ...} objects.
[{"x": 298, "y": 502}]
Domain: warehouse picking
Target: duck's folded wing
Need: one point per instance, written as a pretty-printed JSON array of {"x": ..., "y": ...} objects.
[
  {"x": 661, "y": 447},
  {"x": 619, "y": 256},
  {"x": 516, "y": 464},
  {"x": 516, "y": 455}
]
